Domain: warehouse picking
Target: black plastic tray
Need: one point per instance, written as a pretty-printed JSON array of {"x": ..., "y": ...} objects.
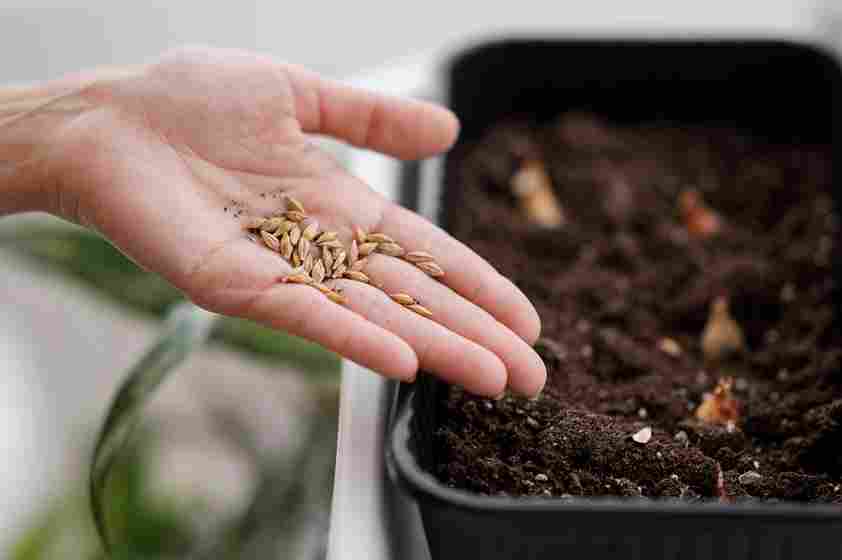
[{"x": 781, "y": 90}]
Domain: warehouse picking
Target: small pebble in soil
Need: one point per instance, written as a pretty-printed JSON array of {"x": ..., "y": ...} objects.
[
  {"x": 681, "y": 437},
  {"x": 788, "y": 293},
  {"x": 532, "y": 422},
  {"x": 642, "y": 413},
  {"x": 643, "y": 436},
  {"x": 670, "y": 347},
  {"x": 541, "y": 477}
]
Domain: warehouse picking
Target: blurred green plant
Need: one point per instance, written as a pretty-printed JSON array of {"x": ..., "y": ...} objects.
[
  {"x": 146, "y": 528},
  {"x": 90, "y": 259}
]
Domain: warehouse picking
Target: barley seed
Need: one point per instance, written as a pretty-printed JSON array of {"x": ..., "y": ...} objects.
[
  {"x": 338, "y": 258},
  {"x": 327, "y": 257},
  {"x": 297, "y": 279},
  {"x": 318, "y": 272},
  {"x": 272, "y": 224},
  {"x": 294, "y": 205},
  {"x": 353, "y": 253},
  {"x": 310, "y": 231},
  {"x": 308, "y": 263},
  {"x": 295, "y": 215},
  {"x": 323, "y": 288},
  {"x": 416, "y": 257},
  {"x": 359, "y": 235},
  {"x": 390, "y": 249},
  {"x": 378, "y": 238},
  {"x": 366, "y": 249},
  {"x": 431, "y": 269},
  {"x": 303, "y": 249},
  {"x": 270, "y": 240},
  {"x": 326, "y": 237},
  {"x": 296, "y": 260},
  {"x": 294, "y": 235},
  {"x": 338, "y": 271},
  {"x": 335, "y": 244},
  {"x": 421, "y": 310},
  {"x": 356, "y": 276},
  {"x": 286, "y": 247},
  {"x": 403, "y": 299},
  {"x": 285, "y": 227},
  {"x": 253, "y": 222},
  {"x": 335, "y": 297}
]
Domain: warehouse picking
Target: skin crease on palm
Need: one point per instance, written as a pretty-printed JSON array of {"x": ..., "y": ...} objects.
[{"x": 150, "y": 156}]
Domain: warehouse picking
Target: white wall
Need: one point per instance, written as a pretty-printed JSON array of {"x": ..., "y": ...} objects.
[{"x": 43, "y": 38}]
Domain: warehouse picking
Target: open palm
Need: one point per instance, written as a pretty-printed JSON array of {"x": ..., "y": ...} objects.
[{"x": 168, "y": 160}]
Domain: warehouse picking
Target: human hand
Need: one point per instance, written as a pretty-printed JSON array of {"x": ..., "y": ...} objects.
[{"x": 154, "y": 156}]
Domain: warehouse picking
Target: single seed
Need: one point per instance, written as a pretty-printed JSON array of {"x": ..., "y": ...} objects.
[
  {"x": 326, "y": 237},
  {"x": 359, "y": 235},
  {"x": 403, "y": 299},
  {"x": 297, "y": 279},
  {"x": 416, "y": 257},
  {"x": 294, "y": 205},
  {"x": 286, "y": 247},
  {"x": 310, "y": 231},
  {"x": 327, "y": 257},
  {"x": 285, "y": 227},
  {"x": 431, "y": 268},
  {"x": 318, "y": 272},
  {"x": 308, "y": 263},
  {"x": 335, "y": 297},
  {"x": 272, "y": 224},
  {"x": 367, "y": 248},
  {"x": 270, "y": 240},
  {"x": 339, "y": 271},
  {"x": 378, "y": 238},
  {"x": 295, "y": 215},
  {"x": 359, "y": 265},
  {"x": 391, "y": 249},
  {"x": 353, "y": 253},
  {"x": 335, "y": 244},
  {"x": 421, "y": 310},
  {"x": 253, "y": 222},
  {"x": 294, "y": 235},
  {"x": 357, "y": 276},
  {"x": 296, "y": 260},
  {"x": 303, "y": 249},
  {"x": 323, "y": 288},
  {"x": 338, "y": 258}
]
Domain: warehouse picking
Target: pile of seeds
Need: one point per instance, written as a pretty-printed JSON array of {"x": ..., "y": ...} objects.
[{"x": 319, "y": 256}]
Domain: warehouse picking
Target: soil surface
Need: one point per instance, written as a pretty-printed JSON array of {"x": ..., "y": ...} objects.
[{"x": 623, "y": 274}]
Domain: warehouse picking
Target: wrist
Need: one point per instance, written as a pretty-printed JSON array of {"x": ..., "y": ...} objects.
[{"x": 31, "y": 120}]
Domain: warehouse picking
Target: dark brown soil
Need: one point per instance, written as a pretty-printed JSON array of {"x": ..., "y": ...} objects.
[{"x": 623, "y": 274}]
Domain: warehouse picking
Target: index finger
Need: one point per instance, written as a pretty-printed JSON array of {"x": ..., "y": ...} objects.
[{"x": 465, "y": 272}]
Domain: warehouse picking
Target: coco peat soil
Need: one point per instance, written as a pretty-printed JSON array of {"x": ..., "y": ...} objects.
[{"x": 684, "y": 280}]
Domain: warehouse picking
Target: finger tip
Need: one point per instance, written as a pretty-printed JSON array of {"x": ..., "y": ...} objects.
[
  {"x": 531, "y": 381},
  {"x": 442, "y": 129}
]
